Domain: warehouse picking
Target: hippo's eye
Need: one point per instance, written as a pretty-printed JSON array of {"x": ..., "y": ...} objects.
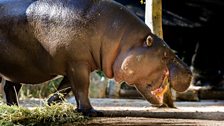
[
  {"x": 165, "y": 56},
  {"x": 149, "y": 41}
]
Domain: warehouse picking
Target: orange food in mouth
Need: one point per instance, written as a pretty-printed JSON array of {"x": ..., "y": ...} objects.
[{"x": 163, "y": 87}]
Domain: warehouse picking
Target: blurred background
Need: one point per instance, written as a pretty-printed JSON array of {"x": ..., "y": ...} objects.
[{"x": 193, "y": 28}]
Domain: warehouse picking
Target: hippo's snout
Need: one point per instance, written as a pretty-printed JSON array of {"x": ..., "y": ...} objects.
[{"x": 180, "y": 75}]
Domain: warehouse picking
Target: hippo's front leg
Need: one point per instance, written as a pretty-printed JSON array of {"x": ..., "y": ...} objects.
[{"x": 78, "y": 74}]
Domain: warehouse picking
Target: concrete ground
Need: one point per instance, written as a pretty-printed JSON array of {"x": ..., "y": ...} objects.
[
  {"x": 143, "y": 121},
  {"x": 140, "y": 112}
]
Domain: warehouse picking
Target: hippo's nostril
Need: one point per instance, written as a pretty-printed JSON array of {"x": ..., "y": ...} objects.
[{"x": 149, "y": 86}]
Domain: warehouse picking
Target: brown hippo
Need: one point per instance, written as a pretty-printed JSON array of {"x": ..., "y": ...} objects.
[{"x": 40, "y": 39}]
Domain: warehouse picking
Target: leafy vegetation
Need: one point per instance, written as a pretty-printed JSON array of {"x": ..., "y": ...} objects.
[{"x": 42, "y": 90}]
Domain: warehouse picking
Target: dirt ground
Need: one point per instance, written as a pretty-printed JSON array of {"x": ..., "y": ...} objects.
[{"x": 138, "y": 112}]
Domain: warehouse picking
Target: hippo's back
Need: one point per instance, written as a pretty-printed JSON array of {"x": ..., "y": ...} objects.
[
  {"x": 53, "y": 18},
  {"x": 35, "y": 33},
  {"x": 30, "y": 31},
  {"x": 59, "y": 20}
]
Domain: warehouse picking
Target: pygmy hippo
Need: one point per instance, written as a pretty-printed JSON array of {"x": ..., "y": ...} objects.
[{"x": 40, "y": 39}]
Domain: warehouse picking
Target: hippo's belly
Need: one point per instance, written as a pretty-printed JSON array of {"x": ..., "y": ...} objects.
[{"x": 27, "y": 73}]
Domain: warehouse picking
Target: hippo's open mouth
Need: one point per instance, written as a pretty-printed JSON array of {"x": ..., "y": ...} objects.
[{"x": 163, "y": 86}]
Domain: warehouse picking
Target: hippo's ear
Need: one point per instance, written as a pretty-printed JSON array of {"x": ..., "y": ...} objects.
[{"x": 149, "y": 41}]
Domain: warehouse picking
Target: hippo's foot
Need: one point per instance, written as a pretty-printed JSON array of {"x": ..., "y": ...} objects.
[
  {"x": 90, "y": 112},
  {"x": 55, "y": 98},
  {"x": 164, "y": 105},
  {"x": 167, "y": 106}
]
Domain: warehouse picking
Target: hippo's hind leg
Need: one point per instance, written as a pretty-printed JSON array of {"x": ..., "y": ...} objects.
[
  {"x": 62, "y": 91},
  {"x": 11, "y": 92}
]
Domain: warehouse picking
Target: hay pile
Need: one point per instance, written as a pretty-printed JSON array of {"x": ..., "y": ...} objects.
[{"x": 57, "y": 114}]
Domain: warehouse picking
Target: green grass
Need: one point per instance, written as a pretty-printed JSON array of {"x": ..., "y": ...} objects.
[{"x": 57, "y": 114}]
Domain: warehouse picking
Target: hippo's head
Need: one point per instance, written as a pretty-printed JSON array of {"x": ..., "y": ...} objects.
[{"x": 150, "y": 67}]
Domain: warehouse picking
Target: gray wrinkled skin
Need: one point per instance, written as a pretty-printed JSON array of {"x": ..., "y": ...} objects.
[{"x": 40, "y": 39}]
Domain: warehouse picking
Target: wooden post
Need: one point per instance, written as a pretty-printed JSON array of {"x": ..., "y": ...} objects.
[{"x": 153, "y": 16}]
